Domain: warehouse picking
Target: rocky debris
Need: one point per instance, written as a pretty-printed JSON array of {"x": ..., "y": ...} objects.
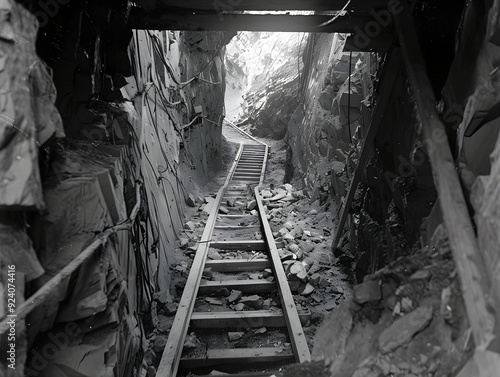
[
  {"x": 231, "y": 202},
  {"x": 235, "y": 335},
  {"x": 191, "y": 342},
  {"x": 367, "y": 291},
  {"x": 404, "y": 329},
  {"x": 190, "y": 225},
  {"x": 164, "y": 323},
  {"x": 208, "y": 273},
  {"x": 213, "y": 301},
  {"x": 298, "y": 270},
  {"x": 239, "y": 307},
  {"x": 222, "y": 292},
  {"x": 420, "y": 275},
  {"x": 191, "y": 201},
  {"x": 253, "y": 301},
  {"x": 149, "y": 356},
  {"x": 214, "y": 254},
  {"x": 251, "y": 205},
  {"x": 261, "y": 330},
  {"x": 266, "y": 194},
  {"x": 234, "y": 296},
  {"x": 267, "y": 273},
  {"x": 306, "y": 290},
  {"x": 223, "y": 210},
  {"x": 170, "y": 308},
  {"x": 159, "y": 343},
  {"x": 183, "y": 243}
]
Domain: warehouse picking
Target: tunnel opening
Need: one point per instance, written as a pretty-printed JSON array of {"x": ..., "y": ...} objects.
[{"x": 121, "y": 121}]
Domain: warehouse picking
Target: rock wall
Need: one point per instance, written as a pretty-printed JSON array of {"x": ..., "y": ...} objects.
[
  {"x": 324, "y": 113},
  {"x": 142, "y": 112}
]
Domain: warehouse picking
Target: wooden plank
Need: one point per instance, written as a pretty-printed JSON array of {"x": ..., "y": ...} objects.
[
  {"x": 247, "y": 174},
  {"x": 249, "y": 169},
  {"x": 170, "y": 358},
  {"x": 466, "y": 252},
  {"x": 249, "y": 164},
  {"x": 295, "y": 330},
  {"x": 140, "y": 19},
  {"x": 390, "y": 71},
  {"x": 238, "y": 265},
  {"x": 236, "y": 227},
  {"x": 243, "y": 320},
  {"x": 247, "y": 179},
  {"x": 246, "y": 286},
  {"x": 238, "y": 356},
  {"x": 272, "y": 5},
  {"x": 237, "y": 216}
]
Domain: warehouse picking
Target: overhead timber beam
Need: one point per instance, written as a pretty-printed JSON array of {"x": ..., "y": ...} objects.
[
  {"x": 140, "y": 19},
  {"x": 266, "y": 5},
  {"x": 463, "y": 242}
]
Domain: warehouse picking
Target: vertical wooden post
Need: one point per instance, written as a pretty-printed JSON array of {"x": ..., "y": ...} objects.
[{"x": 456, "y": 218}]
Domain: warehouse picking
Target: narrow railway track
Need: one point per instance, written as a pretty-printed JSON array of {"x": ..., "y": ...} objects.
[{"x": 251, "y": 271}]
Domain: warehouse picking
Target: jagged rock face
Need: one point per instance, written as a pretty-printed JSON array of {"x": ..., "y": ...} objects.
[
  {"x": 263, "y": 71},
  {"x": 156, "y": 121}
]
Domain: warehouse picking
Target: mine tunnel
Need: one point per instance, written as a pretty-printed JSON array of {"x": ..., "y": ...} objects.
[{"x": 249, "y": 187}]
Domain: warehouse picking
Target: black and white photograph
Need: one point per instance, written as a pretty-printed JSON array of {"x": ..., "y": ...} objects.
[{"x": 256, "y": 188}]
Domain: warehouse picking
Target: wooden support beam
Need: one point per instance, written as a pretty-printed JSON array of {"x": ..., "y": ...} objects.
[
  {"x": 259, "y": 245},
  {"x": 238, "y": 356},
  {"x": 463, "y": 242},
  {"x": 238, "y": 265},
  {"x": 246, "y": 286},
  {"x": 270, "y": 5},
  {"x": 140, "y": 19},
  {"x": 390, "y": 71},
  {"x": 380, "y": 43},
  {"x": 295, "y": 330},
  {"x": 243, "y": 320}
]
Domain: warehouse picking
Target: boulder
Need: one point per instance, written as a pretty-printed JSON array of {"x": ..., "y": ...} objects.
[
  {"x": 251, "y": 205},
  {"x": 191, "y": 201},
  {"x": 253, "y": 301},
  {"x": 367, "y": 291},
  {"x": 234, "y": 296},
  {"x": 235, "y": 335},
  {"x": 404, "y": 329}
]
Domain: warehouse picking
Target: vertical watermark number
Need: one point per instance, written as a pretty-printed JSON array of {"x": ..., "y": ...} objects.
[{"x": 11, "y": 316}]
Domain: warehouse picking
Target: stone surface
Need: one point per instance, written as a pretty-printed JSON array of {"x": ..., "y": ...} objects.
[
  {"x": 213, "y": 301},
  {"x": 214, "y": 254},
  {"x": 234, "y": 296},
  {"x": 190, "y": 225},
  {"x": 253, "y": 301},
  {"x": 251, "y": 205},
  {"x": 298, "y": 270},
  {"x": 404, "y": 329},
  {"x": 191, "y": 201},
  {"x": 159, "y": 343},
  {"x": 367, "y": 291},
  {"x": 235, "y": 335},
  {"x": 306, "y": 290},
  {"x": 421, "y": 275}
]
